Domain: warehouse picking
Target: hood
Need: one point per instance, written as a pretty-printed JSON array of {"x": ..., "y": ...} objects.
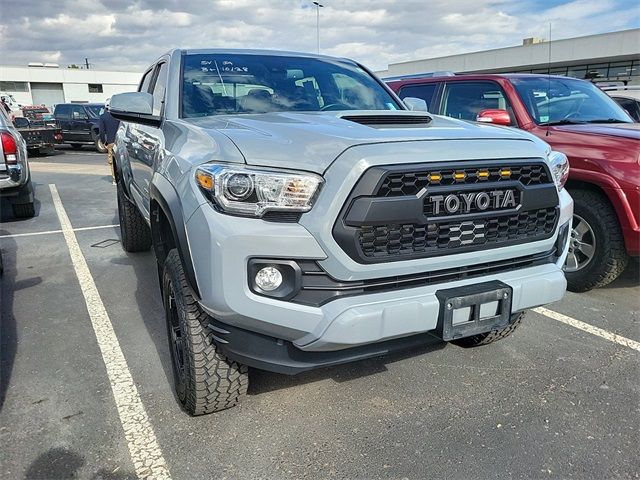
[
  {"x": 312, "y": 141},
  {"x": 623, "y": 130}
]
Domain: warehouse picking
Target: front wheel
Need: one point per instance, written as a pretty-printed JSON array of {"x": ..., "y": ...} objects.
[
  {"x": 205, "y": 380},
  {"x": 100, "y": 146},
  {"x": 597, "y": 255}
]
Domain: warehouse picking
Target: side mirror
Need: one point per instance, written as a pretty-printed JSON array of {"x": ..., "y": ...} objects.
[
  {"x": 134, "y": 107},
  {"x": 416, "y": 104},
  {"x": 21, "y": 122},
  {"x": 495, "y": 116}
]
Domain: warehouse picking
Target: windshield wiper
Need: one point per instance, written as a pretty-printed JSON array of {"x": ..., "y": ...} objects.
[
  {"x": 564, "y": 121},
  {"x": 607, "y": 120}
]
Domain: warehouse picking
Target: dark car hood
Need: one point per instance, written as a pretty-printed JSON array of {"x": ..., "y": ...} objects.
[{"x": 624, "y": 130}]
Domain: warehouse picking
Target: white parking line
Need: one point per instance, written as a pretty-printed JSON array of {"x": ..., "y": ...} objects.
[
  {"x": 144, "y": 449},
  {"x": 49, "y": 232},
  {"x": 612, "y": 337}
]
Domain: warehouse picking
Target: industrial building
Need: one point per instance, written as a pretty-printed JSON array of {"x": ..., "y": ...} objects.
[
  {"x": 48, "y": 84},
  {"x": 608, "y": 57}
]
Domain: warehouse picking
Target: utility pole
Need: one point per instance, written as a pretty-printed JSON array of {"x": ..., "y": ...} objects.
[
  {"x": 86, "y": 63},
  {"x": 318, "y": 7}
]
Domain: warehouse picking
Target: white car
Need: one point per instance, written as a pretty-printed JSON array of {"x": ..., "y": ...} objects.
[
  {"x": 628, "y": 97},
  {"x": 9, "y": 100}
]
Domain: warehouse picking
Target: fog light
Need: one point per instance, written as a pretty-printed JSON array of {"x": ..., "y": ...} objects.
[{"x": 268, "y": 278}]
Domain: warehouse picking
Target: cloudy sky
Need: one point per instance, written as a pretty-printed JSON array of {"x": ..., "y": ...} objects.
[{"x": 128, "y": 35}]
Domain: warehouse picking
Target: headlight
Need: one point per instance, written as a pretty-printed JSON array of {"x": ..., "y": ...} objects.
[
  {"x": 254, "y": 191},
  {"x": 559, "y": 168}
]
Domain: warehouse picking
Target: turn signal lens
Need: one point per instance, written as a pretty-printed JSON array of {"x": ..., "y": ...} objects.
[
  {"x": 505, "y": 172},
  {"x": 435, "y": 177},
  {"x": 483, "y": 174},
  {"x": 205, "y": 180}
]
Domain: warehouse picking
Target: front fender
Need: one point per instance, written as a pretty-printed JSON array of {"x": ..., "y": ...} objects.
[{"x": 164, "y": 199}]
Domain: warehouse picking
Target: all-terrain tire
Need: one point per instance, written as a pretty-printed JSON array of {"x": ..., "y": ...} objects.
[
  {"x": 205, "y": 380},
  {"x": 135, "y": 234},
  {"x": 610, "y": 257},
  {"x": 23, "y": 210},
  {"x": 490, "y": 337}
]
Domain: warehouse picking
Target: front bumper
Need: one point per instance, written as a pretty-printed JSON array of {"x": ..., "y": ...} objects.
[{"x": 221, "y": 246}]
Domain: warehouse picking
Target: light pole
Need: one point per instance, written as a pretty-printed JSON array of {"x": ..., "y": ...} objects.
[{"x": 318, "y": 7}]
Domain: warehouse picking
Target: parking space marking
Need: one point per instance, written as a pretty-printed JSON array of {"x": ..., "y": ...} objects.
[
  {"x": 612, "y": 337},
  {"x": 144, "y": 449},
  {"x": 49, "y": 232}
]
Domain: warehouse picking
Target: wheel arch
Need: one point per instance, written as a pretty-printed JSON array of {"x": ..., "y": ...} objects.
[
  {"x": 168, "y": 229},
  {"x": 613, "y": 194}
]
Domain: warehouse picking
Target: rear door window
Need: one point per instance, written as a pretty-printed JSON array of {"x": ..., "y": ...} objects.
[
  {"x": 159, "y": 88},
  {"x": 63, "y": 112},
  {"x": 426, "y": 92},
  {"x": 78, "y": 113},
  {"x": 146, "y": 81},
  {"x": 465, "y": 100}
]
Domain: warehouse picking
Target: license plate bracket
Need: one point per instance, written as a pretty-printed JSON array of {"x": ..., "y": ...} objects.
[{"x": 469, "y": 299}]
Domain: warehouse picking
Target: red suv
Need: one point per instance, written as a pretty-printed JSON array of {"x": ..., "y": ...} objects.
[{"x": 575, "y": 117}]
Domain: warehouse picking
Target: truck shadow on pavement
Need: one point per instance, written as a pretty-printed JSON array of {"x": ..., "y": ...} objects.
[
  {"x": 64, "y": 463},
  {"x": 8, "y": 330},
  {"x": 261, "y": 382}
]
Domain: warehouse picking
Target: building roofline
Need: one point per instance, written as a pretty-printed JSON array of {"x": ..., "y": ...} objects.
[{"x": 554, "y": 41}]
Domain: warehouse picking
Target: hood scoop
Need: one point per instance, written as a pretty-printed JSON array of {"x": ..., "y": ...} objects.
[{"x": 389, "y": 121}]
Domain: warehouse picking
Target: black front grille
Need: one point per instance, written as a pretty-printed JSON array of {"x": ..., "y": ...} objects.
[
  {"x": 394, "y": 240},
  {"x": 410, "y": 183},
  {"x": 395, "y": 213}
]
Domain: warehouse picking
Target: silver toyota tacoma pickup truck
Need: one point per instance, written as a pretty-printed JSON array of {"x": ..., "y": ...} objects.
[{"x": 302, "y": 216}]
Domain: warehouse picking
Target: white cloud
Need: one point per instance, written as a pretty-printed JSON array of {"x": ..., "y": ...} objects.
[{"x": 120, "y": 34}]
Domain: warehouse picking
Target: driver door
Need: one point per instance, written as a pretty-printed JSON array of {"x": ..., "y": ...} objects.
[{"x": 144, "y": 142}]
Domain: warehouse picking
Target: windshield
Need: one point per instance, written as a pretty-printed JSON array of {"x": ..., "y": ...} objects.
[
  {"x": 95, "y": 110},
  {"x": 565, "y": 100},
  {"x": 216, "y": 84}
]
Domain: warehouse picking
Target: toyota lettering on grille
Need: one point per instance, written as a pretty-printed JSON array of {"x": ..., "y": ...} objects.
[{"x": 462, "y": 203}]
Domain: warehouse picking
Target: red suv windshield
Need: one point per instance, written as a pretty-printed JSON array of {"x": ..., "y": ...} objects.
[{"x": 564, "y": 100}]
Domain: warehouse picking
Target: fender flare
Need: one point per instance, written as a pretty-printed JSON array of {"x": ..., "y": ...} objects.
[{"x": 165, "y": 196}]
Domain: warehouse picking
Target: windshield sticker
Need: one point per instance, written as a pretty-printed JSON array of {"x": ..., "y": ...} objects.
[
  {"x": 544, "y": 118},
  {"x": 225, "y": 66}
]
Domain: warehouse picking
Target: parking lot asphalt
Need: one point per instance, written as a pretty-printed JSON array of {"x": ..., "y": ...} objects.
[{"x": 551, "y": 401}]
